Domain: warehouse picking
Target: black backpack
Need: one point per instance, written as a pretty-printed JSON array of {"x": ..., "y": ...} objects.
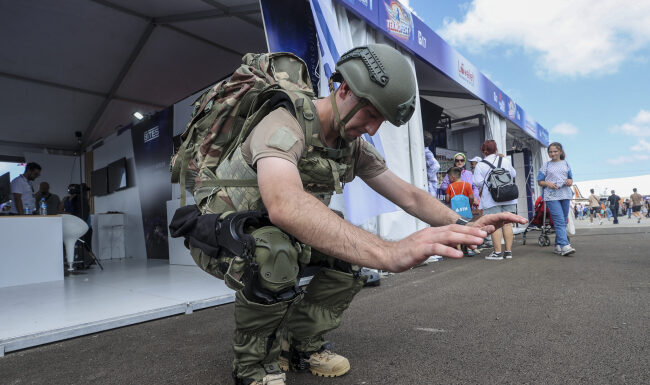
[{"x": 500, "y": 183}]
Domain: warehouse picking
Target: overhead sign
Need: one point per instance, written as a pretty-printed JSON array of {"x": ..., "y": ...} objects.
[{"x": 408, "y": 30}]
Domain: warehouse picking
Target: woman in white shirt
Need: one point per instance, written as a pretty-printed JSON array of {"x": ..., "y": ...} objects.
[{"x": 488, "y": 205}]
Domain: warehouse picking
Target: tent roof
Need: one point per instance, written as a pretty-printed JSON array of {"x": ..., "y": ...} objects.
[
  {"x": 457, "y": 102},
  {"x": 622, "y": 186},
  {"x": 87, "y": 65}
]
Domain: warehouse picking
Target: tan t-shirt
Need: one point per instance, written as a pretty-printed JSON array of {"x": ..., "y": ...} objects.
[
  {"x": 279, "y": 135},
  {"x": 636, "y": 199},
  {"x": 594, "y": 201}
]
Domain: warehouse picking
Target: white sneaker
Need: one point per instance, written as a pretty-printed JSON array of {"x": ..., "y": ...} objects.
[
  {"x": 601, "y": 222},
  {"x": 494, "y": 256},
  {"x": 558, "y": 249},
  {"x": 567, "y": 250}
]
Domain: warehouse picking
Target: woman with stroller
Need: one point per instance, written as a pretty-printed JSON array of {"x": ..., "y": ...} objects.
[{"x": 556, "y": 178}]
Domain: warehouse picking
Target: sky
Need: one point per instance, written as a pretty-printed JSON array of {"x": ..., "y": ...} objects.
[
  {"x": 581, "y": 68},
  {"x": 14, "y": 169}
]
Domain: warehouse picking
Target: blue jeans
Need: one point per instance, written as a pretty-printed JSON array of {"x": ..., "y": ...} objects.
[{"x": 559, "y": 212}]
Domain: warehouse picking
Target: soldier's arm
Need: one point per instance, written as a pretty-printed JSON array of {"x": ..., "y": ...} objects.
[
  {"x": 413, "y": 200},
  {"x": 300, "y": 214},
  {"x": 422, "y": 205}
]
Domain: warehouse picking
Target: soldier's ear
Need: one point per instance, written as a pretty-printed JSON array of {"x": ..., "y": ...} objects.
[{"x": 344, "y": 90}]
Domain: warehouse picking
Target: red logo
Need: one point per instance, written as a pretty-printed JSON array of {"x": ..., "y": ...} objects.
[{"x": 465, "y": 73}]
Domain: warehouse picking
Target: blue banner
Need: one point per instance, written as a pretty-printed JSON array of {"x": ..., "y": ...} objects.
[
  {"x": 395, "y": 20},
  {"x": 290, "y": 27}
]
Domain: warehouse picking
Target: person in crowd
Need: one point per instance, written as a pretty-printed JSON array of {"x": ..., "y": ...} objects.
[
  {"x": 51, "y": 200},
  {"x": 628, "y": 208},
  {"x": 473, "y": 162},
  {"x": 23, "y": 190},
  {"x": 460, "y": 187},
  {"x": 466, "y": 175},
  {"x": 613, "y": 205},
  {"x": 647, "y": 208},
  {"x": 636, "y": 200},
  {"x": 276, "y": 326},
  {"x": 556, "y": 178},
  {"x": 489, "y": 206},
  {"x": 607, "y": 210},
  {"x": 580, "y": 210},
  {"x": 594, "y": 204},
  {"x": 432, "y": 165}
]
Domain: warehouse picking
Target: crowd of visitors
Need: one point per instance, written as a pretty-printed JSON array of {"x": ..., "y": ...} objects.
[
  {"x": 468, "y": 186},
  {"x": 612, "y": 207}
]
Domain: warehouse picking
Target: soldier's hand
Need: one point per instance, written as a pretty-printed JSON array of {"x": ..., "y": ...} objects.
[
  {"x": 419, "y": 246},
  {"x": 491, "y": 222}
]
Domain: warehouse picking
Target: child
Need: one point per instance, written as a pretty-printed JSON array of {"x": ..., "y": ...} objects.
[{"x": 460, "y": 196}]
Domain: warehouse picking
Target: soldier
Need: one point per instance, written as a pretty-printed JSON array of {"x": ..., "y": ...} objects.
[{"x": 277, "y": 325}]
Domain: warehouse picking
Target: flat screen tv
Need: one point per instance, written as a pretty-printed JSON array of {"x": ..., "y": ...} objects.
[
  {"x": 117, "y": 175},
  {"x": 99, "y": 182},
  {"x": 5, "y": 187}
]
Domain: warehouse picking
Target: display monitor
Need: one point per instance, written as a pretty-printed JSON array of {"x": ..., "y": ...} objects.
[
  {"x": 99, "y": 182},
  {"x": 117, "y": 175},
  {"x": 5, "y": 187}
]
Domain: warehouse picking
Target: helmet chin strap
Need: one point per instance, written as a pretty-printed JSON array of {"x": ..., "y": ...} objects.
[{"x": 340, "y": 123}]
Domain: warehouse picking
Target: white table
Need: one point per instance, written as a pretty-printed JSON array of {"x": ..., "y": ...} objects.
[{"x": 31, "y": 249}]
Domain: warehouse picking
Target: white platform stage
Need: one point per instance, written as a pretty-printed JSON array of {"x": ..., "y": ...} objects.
[{"x": 126, "y": 292}]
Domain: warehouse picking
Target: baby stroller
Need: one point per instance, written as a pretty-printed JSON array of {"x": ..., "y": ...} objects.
[{"x": 541, "y": 221}]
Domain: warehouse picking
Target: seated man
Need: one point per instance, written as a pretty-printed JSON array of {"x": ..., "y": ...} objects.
[{"x": 51, "y": 200}]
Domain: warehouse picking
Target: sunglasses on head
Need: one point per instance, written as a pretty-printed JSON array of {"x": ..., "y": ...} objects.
[{"x": 459, "y": 160}]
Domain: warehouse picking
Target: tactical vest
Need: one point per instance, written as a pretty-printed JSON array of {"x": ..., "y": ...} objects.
[{"x": 323, "y": 170}]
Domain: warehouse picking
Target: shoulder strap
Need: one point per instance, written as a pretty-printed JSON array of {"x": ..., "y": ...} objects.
[
  {"x": 500, "y": 159},
  {"x": 488, "y": 163},
  {"x": 452, "y": 189}
]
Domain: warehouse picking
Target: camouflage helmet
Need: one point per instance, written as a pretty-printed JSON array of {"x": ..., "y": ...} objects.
[{"x": 382, "y": 76}]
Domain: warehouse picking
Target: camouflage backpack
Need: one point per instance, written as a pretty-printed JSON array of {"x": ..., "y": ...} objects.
[{"x": 225, "y": 114}]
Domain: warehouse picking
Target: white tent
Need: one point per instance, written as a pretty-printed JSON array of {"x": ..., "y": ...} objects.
[{"x": 622, "y": 186}]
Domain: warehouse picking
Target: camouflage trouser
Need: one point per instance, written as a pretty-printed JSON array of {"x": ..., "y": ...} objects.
[
  {"x": 326, "y": 297},
  {"x": 303, "y": 321}
]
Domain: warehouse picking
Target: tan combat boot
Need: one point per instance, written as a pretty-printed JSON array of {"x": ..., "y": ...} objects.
[{"x": 323, "y": 363}]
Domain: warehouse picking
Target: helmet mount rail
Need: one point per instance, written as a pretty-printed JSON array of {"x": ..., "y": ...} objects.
[
  {"x": 375, "y": 69},
  {"x": 381, "y": 76}
]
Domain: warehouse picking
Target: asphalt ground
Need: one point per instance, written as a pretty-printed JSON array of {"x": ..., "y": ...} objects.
[{"x": 536, "y": 319}]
